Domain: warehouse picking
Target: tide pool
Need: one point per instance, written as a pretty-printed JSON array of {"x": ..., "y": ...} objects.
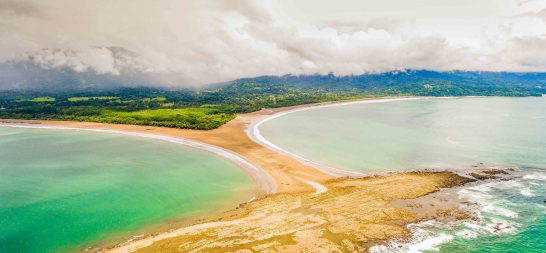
[{"x": 63, "y": 190}]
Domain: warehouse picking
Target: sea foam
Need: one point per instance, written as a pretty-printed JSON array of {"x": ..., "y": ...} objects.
[{"x": 497, "y": 207}]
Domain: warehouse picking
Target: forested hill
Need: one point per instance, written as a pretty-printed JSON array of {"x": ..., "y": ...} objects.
[
  {"x": 418, "y": 82},
  {"x": 29, "y": 77},
  {"x": 210, "y": 107}
]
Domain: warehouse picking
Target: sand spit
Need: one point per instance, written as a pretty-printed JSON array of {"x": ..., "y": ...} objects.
[
  {"x": 311, "y": 210},
  {"x": 232, "y": 136},
  {"x": 238, "y": 137}
]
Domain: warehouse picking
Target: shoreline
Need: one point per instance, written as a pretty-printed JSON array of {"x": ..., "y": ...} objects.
[
  {"x": 292, "y": 177},
  {"x": 264, "y": 183},
  {"x": 248, "y": 123},
  {"x": 255, "y": 134},
  {"x": 277, "y": 222}
]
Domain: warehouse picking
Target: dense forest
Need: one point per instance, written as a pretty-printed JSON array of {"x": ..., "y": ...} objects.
[{"x": 209, "y": 108}]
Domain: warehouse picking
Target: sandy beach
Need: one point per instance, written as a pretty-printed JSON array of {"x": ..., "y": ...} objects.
[{"x": 301, "y": 205}]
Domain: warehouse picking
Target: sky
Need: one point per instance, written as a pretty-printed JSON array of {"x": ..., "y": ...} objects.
[{"x": 203, "y": 41}]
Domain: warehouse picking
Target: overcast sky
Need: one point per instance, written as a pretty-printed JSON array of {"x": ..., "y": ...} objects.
[{"x": 211, "y": 41}]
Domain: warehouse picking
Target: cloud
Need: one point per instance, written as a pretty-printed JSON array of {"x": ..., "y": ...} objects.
[
  {"x": 539, "y": 15},
  {"x": 198, "y": 42},
  {"x": 102, "y": 60},
  {"x": 351, "y": 26},
  {"x": 529, "y": 52},
  {"x": 19, "y": 8}
]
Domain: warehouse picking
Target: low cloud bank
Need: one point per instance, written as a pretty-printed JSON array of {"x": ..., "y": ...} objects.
[{"x": 200, "y": 42}]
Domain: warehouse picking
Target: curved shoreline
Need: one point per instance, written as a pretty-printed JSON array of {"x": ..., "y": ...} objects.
[
  {"x": 254, "y": 133},
  {"x": 264, "y": 182},
  {"x": 292, "y": 177}
]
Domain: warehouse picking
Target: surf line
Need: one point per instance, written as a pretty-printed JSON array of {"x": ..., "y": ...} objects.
[
  {"x": 255, "y": 134},
  {"x": 264, "y": 181}
]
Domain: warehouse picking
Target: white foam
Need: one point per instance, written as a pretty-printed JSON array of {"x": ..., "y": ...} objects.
[
  {"x": 430, "y": 243},
  {"x": 527, "y": 192},
  {"x": 472, "y": 226},
  {"x": 498, "y": 226},
  {"x": 476, "y": 194},
  {"x": 482, "y": 189},
  {"x": 495, "y": 215},
  {"x": 536, "y": 176},
  {"x": 468, "y": 234},
  {"x": 508, "y": 185},
  {"x": 421, "y": 240},
  {"x": 494, "y": 209}
]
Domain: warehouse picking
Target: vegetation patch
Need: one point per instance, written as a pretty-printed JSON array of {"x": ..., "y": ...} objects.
[
  {"x": 194, "y": 118},
  {"x": 158, "y": 99},
  {"x": 43, "y": 99}
]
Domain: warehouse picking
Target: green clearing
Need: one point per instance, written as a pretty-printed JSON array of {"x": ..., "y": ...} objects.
[
  {"x": 43, "y": 99},
  {"x": 156, "y": 99}
]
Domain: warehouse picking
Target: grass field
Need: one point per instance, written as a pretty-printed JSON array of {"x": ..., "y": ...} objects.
[
  {"x": 43, "y": 99},
  {"x": 157, "y": 99},
  {"x": 194, "y": 118}
]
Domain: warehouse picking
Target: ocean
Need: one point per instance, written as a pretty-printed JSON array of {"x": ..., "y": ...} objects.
[{"x": 442, "y": 133}]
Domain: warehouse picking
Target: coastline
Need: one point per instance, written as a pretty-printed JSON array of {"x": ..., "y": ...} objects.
[
  {"x": 271, "y": 167},
  {"x": 255, "y": 134},
  {"x": 293, "y": 179},
  {"x": 264, "y": 183},
  {"x": 353, "y": 215}
]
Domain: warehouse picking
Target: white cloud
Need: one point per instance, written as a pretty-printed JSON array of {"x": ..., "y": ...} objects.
[
  {"x": 202, "y": 41},
  {"x": 100, "y": 60}
]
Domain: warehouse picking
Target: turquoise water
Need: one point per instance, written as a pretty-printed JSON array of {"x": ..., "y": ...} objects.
[
  {"x": 66, "y": 190},
  {"x": 516, "y": 207},
  {"x": 440, "y": 133}
]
